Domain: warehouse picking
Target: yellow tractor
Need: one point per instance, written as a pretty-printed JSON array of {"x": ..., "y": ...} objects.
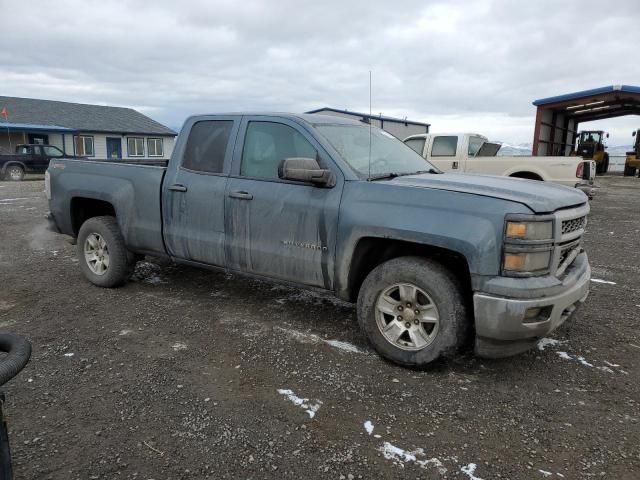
[
  {"x": 633, "y": 158},
  {"x": 591, "y": 147}
]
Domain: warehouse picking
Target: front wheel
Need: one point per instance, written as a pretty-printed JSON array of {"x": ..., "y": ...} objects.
[
  {"x": 102, "y": 254},
  {"x": 14, "y": 173},
  {"x": 412, "y": 311},
  {"x": 629, "y": 171}
]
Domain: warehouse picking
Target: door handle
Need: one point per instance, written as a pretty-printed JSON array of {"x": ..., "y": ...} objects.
[
  {"x": 241, "y": 195},
  {"x": 178, "y": 188}
]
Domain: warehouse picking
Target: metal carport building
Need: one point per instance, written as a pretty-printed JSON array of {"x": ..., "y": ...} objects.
[{"x": 558, "y": 118}]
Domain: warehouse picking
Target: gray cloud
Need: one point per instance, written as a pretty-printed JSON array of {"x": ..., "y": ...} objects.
[{"x": 459, "y": 65}]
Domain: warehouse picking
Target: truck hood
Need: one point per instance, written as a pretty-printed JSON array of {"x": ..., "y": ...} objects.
[{"x": 540, "y": 197}]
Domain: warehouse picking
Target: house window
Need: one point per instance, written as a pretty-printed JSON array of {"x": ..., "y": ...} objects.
[
  {"x": 135, "y": 146},
  {"x": 84, "y": 145},
  {"x": 154, "y": 147}
]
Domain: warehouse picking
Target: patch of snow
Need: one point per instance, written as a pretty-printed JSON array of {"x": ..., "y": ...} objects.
[
  {"x": 399, "y": 457},
  {"x": 312, "y": 338},
  {"x": 343, "y": 346},
  {"x": 69, "y": 354},
  {"x": 310, "y": 408},
  {"x": 605, "y": 369},
  {"x": 565, "y": 355},
  {"x": 470, "y": 471},
  {"x": 549, "y": 342},
  {"x": 125, "y": 332},
  {"x": 368, "y": 426},
  {"x": 545, "y": 473},
  {"x": 584, "y": 362},
  {"x": 599, "y": 280},
  {"x": 179, "y": 346},
  {"x": 611, "y": 364}
]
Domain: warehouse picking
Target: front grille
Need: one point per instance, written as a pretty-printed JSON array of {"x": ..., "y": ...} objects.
[{"x": 570, "y": 226}]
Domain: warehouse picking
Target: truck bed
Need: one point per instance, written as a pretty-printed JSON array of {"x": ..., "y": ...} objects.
[{"x": 132, "y": 188}]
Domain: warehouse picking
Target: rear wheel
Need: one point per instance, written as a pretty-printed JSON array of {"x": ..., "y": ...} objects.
[
  {"x": 605, "y": 165},
  {"x": 629, "y": 171},
  {"x": 412, "y": 311},
  {"x": 103, "y": 257},
  {"x": 14, "y": 173}
]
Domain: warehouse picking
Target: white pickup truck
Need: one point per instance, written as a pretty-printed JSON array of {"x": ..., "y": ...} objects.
[{"x": 473, "y": 153}]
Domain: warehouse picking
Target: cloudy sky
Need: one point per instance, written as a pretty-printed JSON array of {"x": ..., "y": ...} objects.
[{"x": 460, "y": 65}]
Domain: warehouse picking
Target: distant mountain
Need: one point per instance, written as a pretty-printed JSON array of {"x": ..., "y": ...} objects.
[
  {"x": 511, "y": 150},
  {"x": 526, "y": 148}
]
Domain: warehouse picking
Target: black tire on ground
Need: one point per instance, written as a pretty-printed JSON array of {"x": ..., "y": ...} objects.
[
  {"x": 445, "y": 292},
  {"x": 14, "y": 173},
  {"x": 629, "y": 171},
  {"x": 605, "y": 167},
  {"x": 120, "y": 260}
]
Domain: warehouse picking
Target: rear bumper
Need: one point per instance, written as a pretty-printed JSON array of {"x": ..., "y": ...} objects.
[{"x": 502, "y": 328}]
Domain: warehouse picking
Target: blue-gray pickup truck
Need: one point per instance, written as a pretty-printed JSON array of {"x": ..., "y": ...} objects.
[{"x": 434, "y": 261}]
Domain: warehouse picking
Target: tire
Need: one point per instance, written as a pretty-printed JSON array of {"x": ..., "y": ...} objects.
[
  {"x": 446, "y": 304},
  {"x": 101, "y": 237},
  {"x": 629, "y": 171},
  {"x": 605, "y": 167},
  {"x": 15, "y": 173}
]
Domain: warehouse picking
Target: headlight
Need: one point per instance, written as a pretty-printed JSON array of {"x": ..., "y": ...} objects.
[
  {"x": 527, "y": 262},
  {"x": 529, "y": 230}
]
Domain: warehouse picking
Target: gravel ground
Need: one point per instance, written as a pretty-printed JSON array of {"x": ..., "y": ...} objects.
[{"x": 185, "y": 373}]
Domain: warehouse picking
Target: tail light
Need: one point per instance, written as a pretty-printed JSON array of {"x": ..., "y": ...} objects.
[{"x": 580, "y": 170}]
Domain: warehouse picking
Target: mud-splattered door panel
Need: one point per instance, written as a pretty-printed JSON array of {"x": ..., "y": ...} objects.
[{"x": 282, "y": 230}]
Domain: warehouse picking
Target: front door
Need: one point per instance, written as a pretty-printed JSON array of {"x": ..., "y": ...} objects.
[
  {"x": 114, "y": 148},
  {"x": 193, "y": 192},
  {"x": 39, "y": 139},
  {"x": 278, "y": 228}
]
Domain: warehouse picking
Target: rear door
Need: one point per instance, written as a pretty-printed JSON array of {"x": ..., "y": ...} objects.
[
  {"x": 194, "y": 189},
  {"x": 279, "y": 228}
]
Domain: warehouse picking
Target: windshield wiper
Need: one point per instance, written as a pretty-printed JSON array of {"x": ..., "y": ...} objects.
[{"x": 383, "y": 176}]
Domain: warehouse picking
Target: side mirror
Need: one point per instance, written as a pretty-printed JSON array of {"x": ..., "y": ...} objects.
[
  {"x": 634, "y": 134},
  {"x": 607, "y": 135},
  {"x": 305, "y": 170}
]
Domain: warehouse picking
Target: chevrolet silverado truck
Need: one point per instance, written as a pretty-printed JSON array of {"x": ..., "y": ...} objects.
[
  {"x": 28, "y": 158},
  {"x": 434, "y": 261},
  {"x": 473, "y": 153}
]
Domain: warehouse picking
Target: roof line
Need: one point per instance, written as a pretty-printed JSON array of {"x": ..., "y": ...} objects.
[
  {"x": 587, "y": 94},
  {"x": 372, "y": 117}
]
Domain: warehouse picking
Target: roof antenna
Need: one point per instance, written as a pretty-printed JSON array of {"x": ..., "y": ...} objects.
[{"x": 369, "y": 178}]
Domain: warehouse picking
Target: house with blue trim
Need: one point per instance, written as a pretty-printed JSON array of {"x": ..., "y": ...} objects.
[{"x": 95, "y": 131}]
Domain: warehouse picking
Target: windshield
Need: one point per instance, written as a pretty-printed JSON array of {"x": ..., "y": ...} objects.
[
  {"x": 388, "y": 154},
  {"x": 591, "y": 137}
]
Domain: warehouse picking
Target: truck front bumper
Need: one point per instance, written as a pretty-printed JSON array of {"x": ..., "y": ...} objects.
[{"x": 506, "y": 326}]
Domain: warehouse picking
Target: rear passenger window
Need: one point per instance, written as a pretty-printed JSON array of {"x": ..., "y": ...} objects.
[
  {"x": 444, "y": 147},
  {"x": 266, "y": 144},
  {"x": 207, "y": 145}
]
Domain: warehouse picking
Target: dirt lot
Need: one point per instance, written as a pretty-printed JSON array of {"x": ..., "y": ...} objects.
[{"x": 177, "y": 375}]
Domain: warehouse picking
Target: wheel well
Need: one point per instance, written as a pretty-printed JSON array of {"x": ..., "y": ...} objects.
[
  {"x": 83, "y": 209},
  {"x": 527, "y": 175},
  {"x": 14, "y": 163},
  {"x": 371, "y": 252}
]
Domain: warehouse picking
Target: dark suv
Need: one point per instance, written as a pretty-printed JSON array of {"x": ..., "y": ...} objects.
[{"x": 28, "y": 158}]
